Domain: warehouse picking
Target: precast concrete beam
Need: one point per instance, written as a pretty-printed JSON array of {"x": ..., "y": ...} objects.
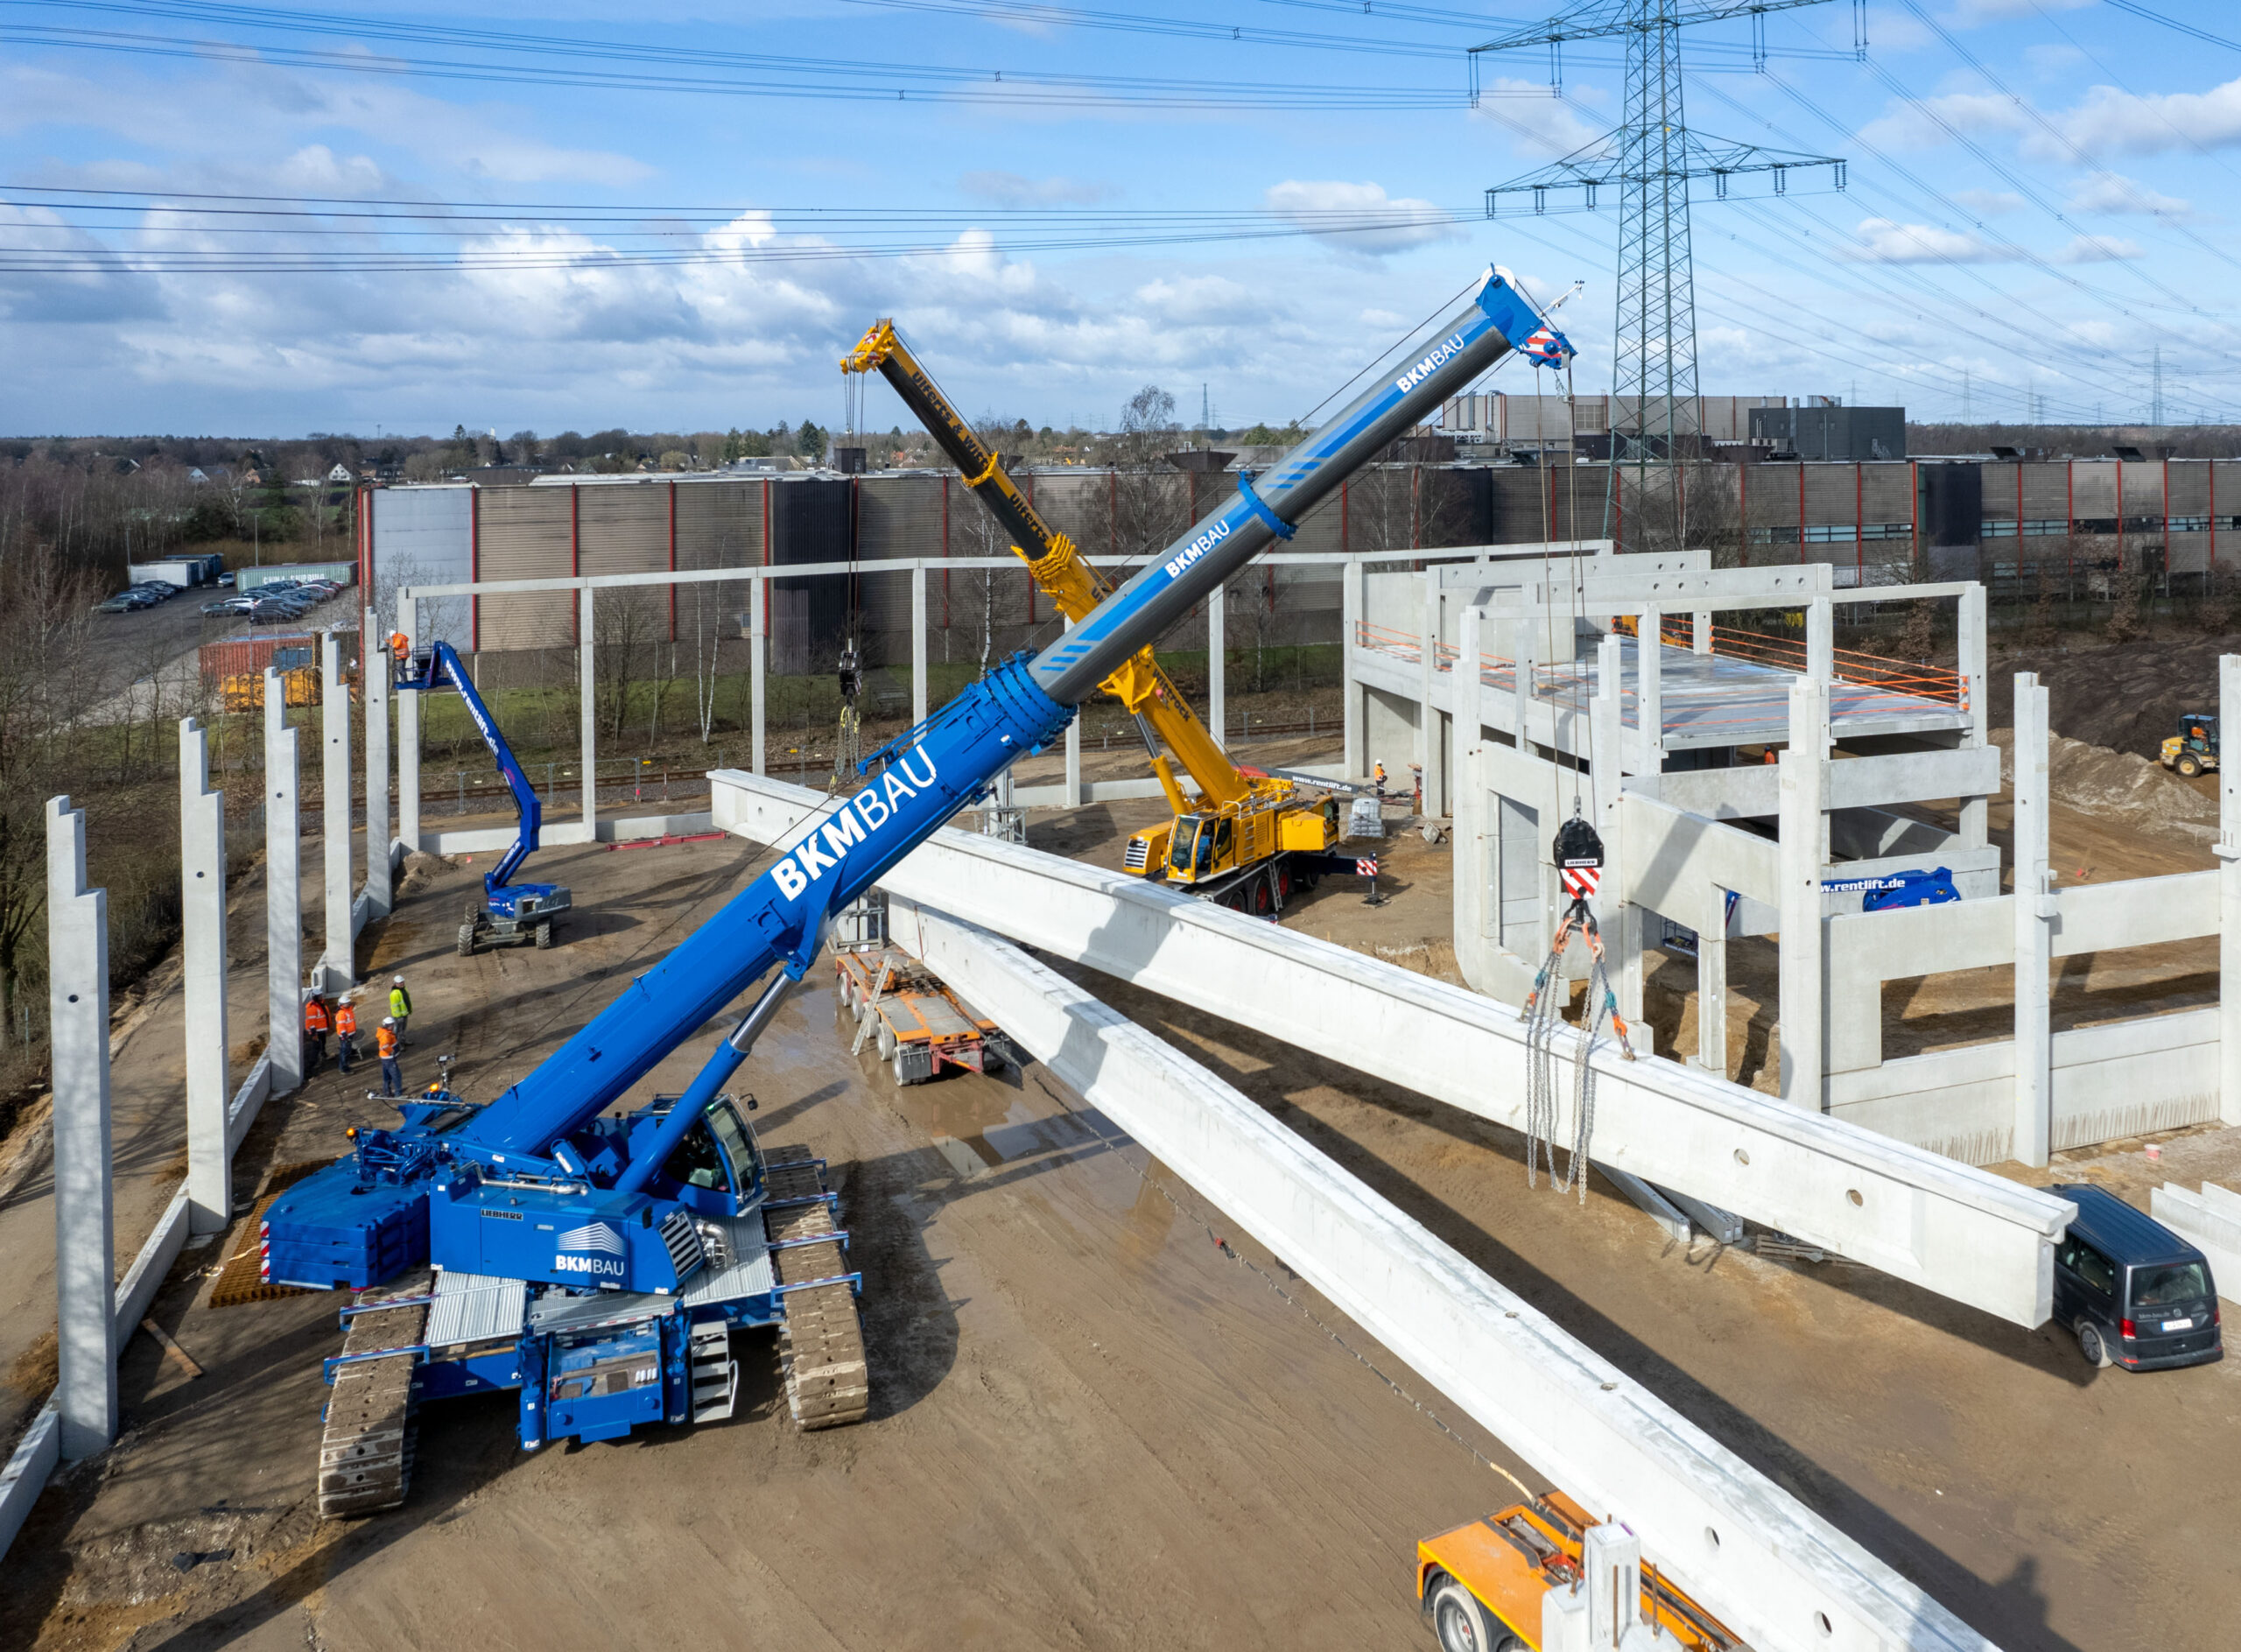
[
  {"x": 85, "y": 1242},
  {"x": 1960, "y": 1232},
  {"x": 202, "y": 954},
  {"x": 1769, "y": 1567},
  {"x": 284, "y": 893}
]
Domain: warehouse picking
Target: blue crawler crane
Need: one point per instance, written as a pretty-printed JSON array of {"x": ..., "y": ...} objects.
[
  {"x": 510, "y": 914},
  {"x": 595, "y": 1262}
]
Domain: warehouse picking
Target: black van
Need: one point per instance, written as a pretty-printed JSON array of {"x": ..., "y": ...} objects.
[{"x": 2135, "y": 1293}]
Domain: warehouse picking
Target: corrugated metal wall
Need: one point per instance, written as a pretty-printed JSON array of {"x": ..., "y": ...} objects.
[{"x": 524, "y": 533}]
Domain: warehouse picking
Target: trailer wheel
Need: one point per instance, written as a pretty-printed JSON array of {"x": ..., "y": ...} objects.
[
  {"x": 894, "y": 1065},
  {"x": 886, "y": 1042},
  {"x": 466, "y": 938},
  {"x": 1462, "y": 1624},
  {"x": 543, "y": 940}
]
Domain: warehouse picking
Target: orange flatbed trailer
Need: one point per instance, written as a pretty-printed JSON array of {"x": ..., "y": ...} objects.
[
  {"x": 1507, "y": 1562},
  {"x": 920, "y": 1025}
]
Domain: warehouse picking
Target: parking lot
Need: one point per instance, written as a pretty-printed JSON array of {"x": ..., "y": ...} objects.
[{"x": 158, "y": 645}]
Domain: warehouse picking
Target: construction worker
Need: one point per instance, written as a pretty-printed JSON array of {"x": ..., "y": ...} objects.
[
  {"x": 346, "y": 1031},
  {"x": 385, "y": 1042},
  {"x": 400, "y": 649},
  {"x": 1379, "y": 777},
  {"x": 314, "y": 1034},
  {"x": 400, "y": 1006}
]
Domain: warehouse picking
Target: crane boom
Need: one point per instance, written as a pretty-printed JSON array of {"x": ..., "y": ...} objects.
[
  {"x": 1057, "y": 566},
  {"x": 414, "y": 1193}
]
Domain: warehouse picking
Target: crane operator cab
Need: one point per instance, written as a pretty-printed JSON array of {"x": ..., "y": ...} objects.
[
  {"x": 1202, "y": 845},
  {"x": 717, "y": 1169}
]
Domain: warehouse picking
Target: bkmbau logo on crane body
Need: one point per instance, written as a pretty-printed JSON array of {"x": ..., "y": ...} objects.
[
  {"x": 1198, "y": 548},
  {"x": 851, "y": 824},
  {"x": 595, "y": 1236},
  {"x": 1448, "y": 348}
]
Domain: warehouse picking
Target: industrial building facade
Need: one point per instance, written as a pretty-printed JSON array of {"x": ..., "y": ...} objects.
[{"x": 1876, "y": 523}]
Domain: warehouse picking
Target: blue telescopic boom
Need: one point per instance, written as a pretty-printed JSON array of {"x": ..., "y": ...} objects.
[
  {"x": 949, "y": 762},
  {"x": 444, "y": 665}
]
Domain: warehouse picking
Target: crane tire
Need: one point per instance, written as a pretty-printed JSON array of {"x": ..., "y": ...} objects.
[
  {"x": 543, "y": 940},
  {"x": 1264, "y": 897},
  {"x": 1460, "y": 1623},
  {"x": 466, "y": 938},
  {"x": 474, "y": 911}
]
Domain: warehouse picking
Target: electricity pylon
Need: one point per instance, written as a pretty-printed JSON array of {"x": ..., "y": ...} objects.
[{"x": 1650, "y": 157}]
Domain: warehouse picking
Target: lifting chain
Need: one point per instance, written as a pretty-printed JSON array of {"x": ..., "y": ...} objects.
[{"x": 1579, "y": 855}]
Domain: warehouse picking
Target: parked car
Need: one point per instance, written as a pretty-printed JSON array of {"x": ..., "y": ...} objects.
[
  {"x": 227, "y": 605},
  {"x": 2131, "y": 1291},
  {"x": 122, "y": 603},
  {"x": 226, "y": 579}
]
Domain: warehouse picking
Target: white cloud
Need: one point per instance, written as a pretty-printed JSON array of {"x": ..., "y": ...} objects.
[
  {"x": 1360, "y": 220},
  {"x": 1883, "y": 240},
  {"x": 2097, "y": 249},
  {"x": 1910, "y": 126},
  {"x": 1989, "y": 203},
  {"x": 1547, "y": 128},
  {"x": 2113, "y": 121},
  {"x": 2114, "y": 192},
  {"x": 1011, "y": 189}
]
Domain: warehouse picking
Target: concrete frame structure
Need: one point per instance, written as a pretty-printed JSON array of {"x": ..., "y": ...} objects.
[
  {"x": 85, "y": 1248},
  {"x": 284, "y": 893},
  {"x": 338, "y": 962},
  {"x": 202, "y": 954},
  {"x": 588, "y": 828},
  {"x": 372, "y": 675},
  {"x": 1770, "y": 1568},
  {"x": 1962, "y": 1232}
]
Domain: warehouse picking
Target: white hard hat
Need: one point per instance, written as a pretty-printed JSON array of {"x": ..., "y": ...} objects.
[
  {"x": 389, "y": 1020},
  {"x": 398, "y": 981}
]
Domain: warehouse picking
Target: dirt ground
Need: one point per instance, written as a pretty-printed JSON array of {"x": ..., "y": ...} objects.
[{"x": 1093, "y": 1425}]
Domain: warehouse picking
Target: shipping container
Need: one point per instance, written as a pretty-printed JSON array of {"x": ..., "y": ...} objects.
[
  {"x": 344, "y": 573},
  {"x": 180, "y": 571},
  {"x": 235, "y": 655}
]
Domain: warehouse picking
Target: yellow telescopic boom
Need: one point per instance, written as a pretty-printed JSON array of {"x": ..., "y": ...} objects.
[{"x": 1060, "y": 569}]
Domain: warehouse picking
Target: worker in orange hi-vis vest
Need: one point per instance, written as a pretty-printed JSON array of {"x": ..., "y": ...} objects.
[
  {"x": 400, "y": 648},
  {"x": 314, "y": 1035},
  {"x": 385, "y": 1042},
  {"x": 345, "y": 1032}
]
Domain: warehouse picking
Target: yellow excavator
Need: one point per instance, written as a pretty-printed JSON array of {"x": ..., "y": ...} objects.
[{"x": 1248, "y": 841}]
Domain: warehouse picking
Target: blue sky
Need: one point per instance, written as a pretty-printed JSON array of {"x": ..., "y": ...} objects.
[{"x": 2035, "y": 203}]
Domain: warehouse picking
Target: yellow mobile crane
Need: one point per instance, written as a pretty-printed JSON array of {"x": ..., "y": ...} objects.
[{"x": 1248, "y": 841}]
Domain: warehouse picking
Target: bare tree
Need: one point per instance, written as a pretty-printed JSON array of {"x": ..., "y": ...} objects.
[{"x": 627, "y": 621}]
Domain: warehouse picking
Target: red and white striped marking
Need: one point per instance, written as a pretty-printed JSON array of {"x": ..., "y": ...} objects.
[
  {"x": 1366, "y": 869},
  {"x": 1580, "y": 881}
]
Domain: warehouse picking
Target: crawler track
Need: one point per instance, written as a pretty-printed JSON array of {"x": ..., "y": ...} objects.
[
  {"x": 365, "y": 1452},
  {"x": 828, "y": 1381}
]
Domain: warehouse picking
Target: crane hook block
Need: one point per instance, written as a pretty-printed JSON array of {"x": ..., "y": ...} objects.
[{"x": 1577, "y": 845}]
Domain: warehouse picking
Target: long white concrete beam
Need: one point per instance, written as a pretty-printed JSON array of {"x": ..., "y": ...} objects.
[
  {"x": 1771, "y": 1569},
  {"x": 1946, "y": 1227}
]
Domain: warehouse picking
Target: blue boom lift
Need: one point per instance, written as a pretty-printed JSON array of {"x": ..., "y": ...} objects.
[
  {"x": 595, "y": 1263},
  {"x": 510, "y": 914}
]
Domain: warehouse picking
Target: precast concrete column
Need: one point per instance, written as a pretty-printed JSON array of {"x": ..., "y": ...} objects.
[
  {"x": 85, "y": 1242},
  {"x": 1650, "y": 686},
  {"x": 1074, "y": 788},
  {"x": 337, "y": 963},
  {"x": 283, "y": 892},
  {"x": 1701, "y": 640},
  {"x": 758, "y": 659},
  {"x": 587, "y": 715},
  {"x": 1217, "y": 665},
  {"x": 1975, "y": 812},
  {"x": 1712, "y": 994},
  {"x": 1355, "y": 761},
  {"x": 1802, "y": 784},
  {"x": 202, "y": 958},
  {"x": 373, "y": 672},
  {"x": 2229, "y": 901},
  {"x": 1470, "y": 688},
  {"x": 1523, "y": 669},
  {"x": 408, "y": 735},
  {"x": 2034, "y": 929},
  {"x": 1621, "y": 918},
  {"x": 917, "y": 644},
  {"x": 1821, "y": 639},
  {"x": 1434, "y": 740}
]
